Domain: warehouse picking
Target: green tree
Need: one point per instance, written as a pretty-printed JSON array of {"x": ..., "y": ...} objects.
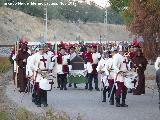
[{"x": 144, "y": 19}]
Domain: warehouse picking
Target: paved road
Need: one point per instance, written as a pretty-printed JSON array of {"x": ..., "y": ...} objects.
[{"x": 89, "y": 105}]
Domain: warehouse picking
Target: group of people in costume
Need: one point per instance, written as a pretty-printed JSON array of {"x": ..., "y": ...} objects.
[{"x": 112, "y": 63}]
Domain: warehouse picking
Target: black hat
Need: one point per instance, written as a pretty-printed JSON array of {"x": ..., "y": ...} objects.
[
  {"x": 62, "y": 48},
  {"x": 72, "y": 47},
  {"x": 89, "y": 46}
]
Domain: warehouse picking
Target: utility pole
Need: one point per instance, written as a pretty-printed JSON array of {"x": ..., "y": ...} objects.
[
  {"x": 106, "y": 22},
  {"x": 45, "y": 21},
  {"x": 106, "y": 17}
]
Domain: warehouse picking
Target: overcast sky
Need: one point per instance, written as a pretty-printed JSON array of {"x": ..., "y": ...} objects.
[{"x": 101, "y": 2}]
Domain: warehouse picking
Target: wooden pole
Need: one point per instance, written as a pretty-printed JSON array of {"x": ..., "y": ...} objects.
[{"x": 16, "y": 53}]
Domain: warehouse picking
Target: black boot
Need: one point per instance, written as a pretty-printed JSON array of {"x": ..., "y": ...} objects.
[
  {"x": 90, "y": 86},
  {"x": 130, "y": 90},
  {"x": 75, "y": 86},
  {"x": 124, "y": 104},
  {"x": 64, "y": 86},
  {"x": 111, "y": 95},
  {"x": 70, "y": 85},
  {"x": 86, "y": 87},
  {"x": 111, "y": 101},
  {"x": 104, "y": 95},
  {"x": 118, "y": 101},
  {"x": 124, "y": 93},
  {"x": 58, "y": 81},
  {"x": 44, "y": 98},
  {"x": 38, "y": 101},
  {"x": 159, "y": 96},
  {"x": 34, "y": 97}
]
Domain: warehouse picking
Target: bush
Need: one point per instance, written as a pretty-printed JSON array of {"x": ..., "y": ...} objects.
[
  {"x": 4, "y": 64},
  {"x": 23, "y": 114},
  {"x": 3, "y": 116}
]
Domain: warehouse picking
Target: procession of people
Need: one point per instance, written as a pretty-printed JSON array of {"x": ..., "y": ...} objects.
[{"x": 114, "y": 68}]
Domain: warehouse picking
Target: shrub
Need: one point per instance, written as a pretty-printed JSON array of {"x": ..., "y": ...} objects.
[
  {"x": 3, "y": 116},
  {"x": 5, "y": 64}
]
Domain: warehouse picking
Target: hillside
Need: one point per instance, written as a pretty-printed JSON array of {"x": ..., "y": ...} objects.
[{"x": 15, "y": 24}]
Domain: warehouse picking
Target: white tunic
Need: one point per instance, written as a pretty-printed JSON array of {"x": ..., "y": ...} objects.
[
  {"x": 108, "y": 67},
  {"x": 101, "y": 65},
  {"x": 14, "y": 62},
  {"x": 95, "y": 57},
  {"x": 88, "y": 67},
  {"x": 29, "y": 66},
  {"x": 119, "y": 66},
  {"x": 40, "y": 61},
  {"x": 157, "y": 63},
  {"x": 59, "y": 67}
]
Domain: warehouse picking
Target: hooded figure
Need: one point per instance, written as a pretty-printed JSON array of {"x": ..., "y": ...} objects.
[
  {"x": 21, "y": 60},
  {"x": 140, "y": 63}
]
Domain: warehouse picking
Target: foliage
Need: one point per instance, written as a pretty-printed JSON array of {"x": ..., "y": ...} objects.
[
  {"x": 23, "y": 114},
  {"x": 4, "y": 64},
  {"x": 3, "y": 116},
  {"x": 143, "y": 18},
  {"x": 119, "y": 5},
  {"x": 114, "y": 17}
]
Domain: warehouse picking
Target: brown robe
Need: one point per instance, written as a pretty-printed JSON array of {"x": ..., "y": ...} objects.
[
  {"x": 21, "y": 77},
  {"x": 140, "y": 89}
]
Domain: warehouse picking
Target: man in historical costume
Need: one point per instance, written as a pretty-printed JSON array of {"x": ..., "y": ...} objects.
[
  {"x": 88, "y": 61},
  {"x": 140, "y": 63},
  {"x": 96, "y": 57},
  {"x": 110, "y": 79},
  {"x": 21, "y": 60},
  {"x": 41, "y": 67},
  {"x": 157, "y": 67},
  {"x": 62, "y": 68},
  {"x": 12, "y": 58},
  {"x": 51, "y": 56},
  {"x": 119, "y": 67},
  {"x": 73, "y": 54}
]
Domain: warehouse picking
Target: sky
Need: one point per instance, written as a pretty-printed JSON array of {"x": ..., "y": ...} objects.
[{"x": 101, "y": 2}]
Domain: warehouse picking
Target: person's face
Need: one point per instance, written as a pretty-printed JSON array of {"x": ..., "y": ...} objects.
[
  {"x": 62, "y": 51},
  {"x": 138, "y": 53},
  {"x": 88, "y": 49},
  {"x": 41, "y": 50},
  {"x": 113, "y": 53},
  {"x": 135, "y": 49},
  {"x": 45, "y": 49},
  {"x": 72, "y": 50},
  {"x": 131, "y": 50},
  {"x": 93, "y": 50},
  {"x": 121, "y": 52}
]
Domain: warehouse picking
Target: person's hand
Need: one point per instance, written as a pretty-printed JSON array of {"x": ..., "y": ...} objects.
[
  {"x": 140, "y": 65},
  {"x": 101, "y": 72},
  {"x": 24, "y": 60},
  {"x": 39, "y": 71},
  {"x": 32, "y": 77}
]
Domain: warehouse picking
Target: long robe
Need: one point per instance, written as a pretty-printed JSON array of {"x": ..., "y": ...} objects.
[
  {"x": 140, "y": 89},
  {"x": 22, "y": 80}
]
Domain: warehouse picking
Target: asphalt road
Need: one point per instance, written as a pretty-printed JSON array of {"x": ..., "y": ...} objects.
[{"x": 88, "y": 104}]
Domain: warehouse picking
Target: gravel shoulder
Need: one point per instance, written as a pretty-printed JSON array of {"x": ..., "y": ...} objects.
[{"x": 6, "y": 104}]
